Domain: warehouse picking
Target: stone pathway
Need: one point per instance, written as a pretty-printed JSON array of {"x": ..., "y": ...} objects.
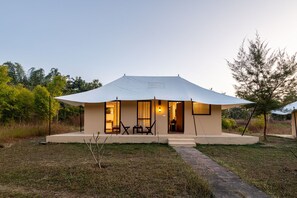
[{"x": 223, "y": 182}]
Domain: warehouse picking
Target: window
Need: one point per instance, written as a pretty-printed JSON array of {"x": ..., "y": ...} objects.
[
  {"x": 112, "y": 117},
  {"x": 144, "y": 113},
  {"x": 201, "y": 109}
]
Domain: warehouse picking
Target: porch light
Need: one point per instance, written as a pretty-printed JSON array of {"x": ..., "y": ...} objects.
[{"x": 159, "y": 109}]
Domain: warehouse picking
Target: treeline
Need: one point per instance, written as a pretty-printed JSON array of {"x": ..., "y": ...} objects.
[{"x": 26, "y": 96}]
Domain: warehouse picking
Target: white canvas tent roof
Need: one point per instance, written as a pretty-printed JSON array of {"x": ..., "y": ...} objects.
[
  {"x": 288, "y": 109},
  {"x": 129, "y": 88}
]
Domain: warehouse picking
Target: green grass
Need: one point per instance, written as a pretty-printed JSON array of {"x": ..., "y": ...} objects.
[
  {"x": 67, "y": 170},
  {"x": 271, "y": 166}
]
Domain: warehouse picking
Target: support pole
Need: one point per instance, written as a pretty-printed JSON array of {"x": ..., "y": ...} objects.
[
  {"x": 155, "y": 127},
  {"x": 49, "y": 115},
  {"x": 249, "y": 120},
  {"x": 194, "y": 118},
  {"x": 294, "y": 117},
  {"x": 80, "y": 118}
]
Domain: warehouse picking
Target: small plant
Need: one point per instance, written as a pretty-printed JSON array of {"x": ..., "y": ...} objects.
[
  {"x": 258, "y": 122},
  {"x": 241, "y": 129},
  {"x": 98, "y": 151},
  {"x": 228, "y": 123}
]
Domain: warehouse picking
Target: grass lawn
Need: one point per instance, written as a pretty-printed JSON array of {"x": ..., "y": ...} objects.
[
  {"x": 67, "y": 170},
  {"x": 271, "y": 166}
]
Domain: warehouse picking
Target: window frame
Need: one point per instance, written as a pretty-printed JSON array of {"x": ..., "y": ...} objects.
[
  {"x": 209, "y": 112},
  {"x": 150, "y": 118},
  {"x": 120, "y": 112}
]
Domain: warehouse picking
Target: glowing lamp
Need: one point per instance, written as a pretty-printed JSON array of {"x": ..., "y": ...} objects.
[{"x": 159, "y": 103}]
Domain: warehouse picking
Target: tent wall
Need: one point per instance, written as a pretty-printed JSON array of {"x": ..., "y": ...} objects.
[
  {"x": 94, "y": 118},
  {"x": 293, "y": 122},
  {"x": 129, "y": 114},
  {"x": 162, "y": 117},
  {"x": 205, "y": 124}
]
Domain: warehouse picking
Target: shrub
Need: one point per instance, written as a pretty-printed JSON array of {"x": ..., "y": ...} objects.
[
  {"x": 241, "y": 128},
  {"x": 258, "y": 122},
  {"x": 228, "y": 123}
]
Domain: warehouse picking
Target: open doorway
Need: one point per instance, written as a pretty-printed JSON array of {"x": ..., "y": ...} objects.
[
  {"x": 175, "y": 117},
  {"x": 112, "y": 117}
]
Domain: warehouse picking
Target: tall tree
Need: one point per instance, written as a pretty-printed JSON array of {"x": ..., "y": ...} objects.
[
  {"x": 16, "y": 72},
  {"x": 24, "y": 104},
  {"x": 263, "y": 77},
  {"x": 36, "y": 77},
  {"x": 77, "y": 84},
  {"x": 8, "y": 96},
  {"x": 41, "y": 102}
]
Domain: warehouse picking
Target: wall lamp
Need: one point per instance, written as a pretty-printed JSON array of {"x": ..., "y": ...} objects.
[{"x": 159, "y": 103}]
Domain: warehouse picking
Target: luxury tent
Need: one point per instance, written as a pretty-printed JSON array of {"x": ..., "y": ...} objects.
[
  {"x": 157, "y": 106},
  {"x": 286, "y": 110}
]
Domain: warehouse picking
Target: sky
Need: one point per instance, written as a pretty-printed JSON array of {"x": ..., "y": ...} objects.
[{"x": 104, "y": 40}]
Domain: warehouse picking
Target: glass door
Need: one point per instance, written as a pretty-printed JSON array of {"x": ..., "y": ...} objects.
[
  {"x": 175, "y": 117},
  {"x": 112, "y": 117}
]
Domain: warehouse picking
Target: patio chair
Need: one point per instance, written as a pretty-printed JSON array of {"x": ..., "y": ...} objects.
[
  {"x": 125, "y": 128},
  {"x": 149, "y": 129}
]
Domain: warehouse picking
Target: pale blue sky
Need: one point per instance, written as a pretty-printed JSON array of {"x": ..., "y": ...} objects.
[{"x": 106, "y": 39}]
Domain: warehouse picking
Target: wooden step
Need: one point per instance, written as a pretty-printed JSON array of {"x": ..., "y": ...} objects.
[{"x": 182, "y": 142}]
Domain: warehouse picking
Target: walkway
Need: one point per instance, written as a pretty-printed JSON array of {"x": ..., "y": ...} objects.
[{"x": 223, "y": 182}]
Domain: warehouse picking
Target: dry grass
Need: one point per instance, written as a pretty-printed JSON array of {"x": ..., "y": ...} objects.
[
  {"x": 10, "y": 132},
  {"x": 274, "y": 127},
  {"x": 67, "y": 170},
  {"x": 271, "y": 166}
]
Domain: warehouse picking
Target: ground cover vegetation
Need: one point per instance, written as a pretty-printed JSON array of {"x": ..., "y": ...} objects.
[
  {"x": 29, "y": 169},
  {"x": 234, "y": 121},
  {"x": 265, "y": 77},
  {"x": 25, "y": 98},
  {"x": 271, "y": 165}
]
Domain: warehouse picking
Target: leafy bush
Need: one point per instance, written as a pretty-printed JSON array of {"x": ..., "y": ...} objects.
[
  {"x": 241, "y": 128},
  {"x": 258, "y": 122},
  {"x": 228, "y": 123}
]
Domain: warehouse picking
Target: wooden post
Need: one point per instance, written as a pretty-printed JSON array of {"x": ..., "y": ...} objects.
[
  {"x": 194, "y": 117},
  {"x": 249, "y": 121},
  {"x": 80, "y": 119},
  {"x": 294, "y": 117},
  {"x": 155, "y": 127},
  {"x": 49, "y": 115}
]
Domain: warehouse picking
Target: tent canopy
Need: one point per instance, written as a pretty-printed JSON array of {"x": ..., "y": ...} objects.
[
  {"x": 288, "y": 109},
  {"x": 131, "y": 88}
]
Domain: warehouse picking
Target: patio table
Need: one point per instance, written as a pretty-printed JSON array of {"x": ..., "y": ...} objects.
[{"x": 137, "y": 129}]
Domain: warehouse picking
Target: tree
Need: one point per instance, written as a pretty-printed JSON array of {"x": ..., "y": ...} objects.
[
  {"x": 263, "y": 77},
  {"x": 77, "y": 85},
  {"x": 41, "y": 102},
  {"x": 8, "y": 96},
  {"x": 16, "y": 73},
  {"x": 57, "y": 85},
  {"x": 4, "y": 78},
  {"x": 24, "y": 104},
  {"x": 36, "y": 77}
]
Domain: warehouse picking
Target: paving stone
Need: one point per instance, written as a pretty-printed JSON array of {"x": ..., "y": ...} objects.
[{"x": 222, "y": 181}]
